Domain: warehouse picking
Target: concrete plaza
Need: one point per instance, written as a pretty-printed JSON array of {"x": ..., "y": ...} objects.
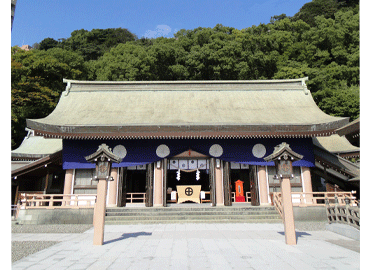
[{"x": 192, "y": 246}]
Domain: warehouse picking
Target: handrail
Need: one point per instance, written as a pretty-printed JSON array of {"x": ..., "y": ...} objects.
[
  {"x": 345, "y": 214},
  {"x": 278, "y": 203},
  {"x": 304, "y": 199},
  {"x": 51, "y": 201},
  {"x": 135, "y": 197}
]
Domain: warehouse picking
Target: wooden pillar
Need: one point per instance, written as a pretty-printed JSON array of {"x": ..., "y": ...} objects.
[
  {"x": 158, "y": 186},
  {"x": 288, "y": 217},
  {"x": 99, "y": 212},
  {"x": 149, "y": 185},
  {"x": 16, "y": 195},
  {"x": 68, "y": 183},
  {"x": 164, "y": 181},
  {"x": 262, "y": 184},
  {"x": 212, "y": 181},
  {"x": 47, "y": 179},
  {"x": 307, "y": 184},
  {"x": 219, "y": 184},
  {"x": 226, "y": 184},
  {"x": 253, "y": 178},
  {"x": 112, "y": 199}
]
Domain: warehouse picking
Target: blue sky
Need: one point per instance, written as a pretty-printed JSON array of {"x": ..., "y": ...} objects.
[{"x": 38, "y": 19}]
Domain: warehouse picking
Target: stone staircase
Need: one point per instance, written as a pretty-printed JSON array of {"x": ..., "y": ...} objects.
[{"x": 150, "y": 215}]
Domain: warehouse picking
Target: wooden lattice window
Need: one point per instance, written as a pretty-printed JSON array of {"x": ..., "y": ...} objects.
[{"x": 83, "y": 183}]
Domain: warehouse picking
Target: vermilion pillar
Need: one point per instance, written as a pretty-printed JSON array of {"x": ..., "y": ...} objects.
[
  {"x": 219, "y": 185},
  {"x": 68, "y": 179},
  {"x": 262, "y": 184},
  {"x": 158, "y": 187},
  {"x": 307, "y": 184},
  {"x": 112, "y": 199},
  {"x": 68, "y": 182}
]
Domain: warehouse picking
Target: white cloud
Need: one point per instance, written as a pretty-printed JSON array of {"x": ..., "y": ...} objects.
[{"x": 160, "y": 31}]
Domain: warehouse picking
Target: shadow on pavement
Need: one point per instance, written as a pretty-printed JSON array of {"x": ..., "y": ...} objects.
[
  {"x": 298, "y": 234},
  {"x": 127, "y": 235}
]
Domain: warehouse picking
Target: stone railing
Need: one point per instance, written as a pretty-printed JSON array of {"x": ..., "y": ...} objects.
[
  {"x": 345, "y": 214},
  {"x": 51, "y": 201}
]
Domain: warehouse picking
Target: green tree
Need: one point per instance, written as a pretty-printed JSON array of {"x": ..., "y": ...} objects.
[
  {"x": 29, "y": 99},
  {"x": 321, "y": 42},
  {"x": 37, "y": 81},
  {"x": 47, "y": 44},
  {"x": 93, "y": 44},
  {"x": 310, "y": 10},
  {"x": 342, "y": 100}
]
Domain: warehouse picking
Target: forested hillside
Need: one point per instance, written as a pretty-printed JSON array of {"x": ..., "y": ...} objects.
[{"x": 321, "y": 42}]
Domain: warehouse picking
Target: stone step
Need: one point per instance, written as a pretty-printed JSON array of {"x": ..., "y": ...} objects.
[
  {"x": 198, "y": 214},
  {"x": 123, "y": 222},
  {"x": 189, "y": 213},
  {"x": 180, "y": 217},
  {"x": 199, "y": 209}
]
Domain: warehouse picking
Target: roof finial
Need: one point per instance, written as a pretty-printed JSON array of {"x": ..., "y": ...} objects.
[
  {"x": 304, "y": 85},
  {"x": 68, "y": 87}
]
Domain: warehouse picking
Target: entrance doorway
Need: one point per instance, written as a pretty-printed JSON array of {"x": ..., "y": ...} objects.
[
  {"x": 248, "y": 175},
  {"x": 183, "y": 172},
  {"x": 132, "y": 185}
]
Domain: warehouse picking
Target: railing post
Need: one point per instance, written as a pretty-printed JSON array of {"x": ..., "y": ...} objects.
[
  {"x": 348, "y": 214},
  {"x": 301, "y": 200},
  {"x": 336, "y": 211},
  {"x": 328, "y": 210},
  {"x": 76, "y": 200},
  {"x": 36, "y": 203},
  {"x": 51, "y": 201}
]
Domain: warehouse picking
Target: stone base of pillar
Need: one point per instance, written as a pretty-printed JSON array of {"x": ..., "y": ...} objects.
[{"x": 265, "y": 204}]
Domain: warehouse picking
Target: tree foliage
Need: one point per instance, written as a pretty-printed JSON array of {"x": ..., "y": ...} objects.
[
  {"x": 37, "y": 82},
  {"x": 321, "y": 41},
  {"x": 47, "y": 44},
  {"x": 90, "y": 44}
]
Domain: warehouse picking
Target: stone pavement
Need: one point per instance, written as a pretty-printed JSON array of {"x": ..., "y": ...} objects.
[{"x": 192, "y": 246}]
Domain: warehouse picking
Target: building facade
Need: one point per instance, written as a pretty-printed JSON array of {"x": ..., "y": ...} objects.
[{"x": 172, "y": 134}]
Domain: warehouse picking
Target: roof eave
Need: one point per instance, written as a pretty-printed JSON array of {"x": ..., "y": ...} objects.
[
  {"x": 44, "y": 161},
  {"x": 261, "y": 130}
]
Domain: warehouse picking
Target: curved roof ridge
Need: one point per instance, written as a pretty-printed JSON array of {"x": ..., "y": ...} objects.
[{"x": 303, "y": 80}]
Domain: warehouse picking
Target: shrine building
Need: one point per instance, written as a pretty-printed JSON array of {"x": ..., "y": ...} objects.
[{"x": 212, "y": 135}]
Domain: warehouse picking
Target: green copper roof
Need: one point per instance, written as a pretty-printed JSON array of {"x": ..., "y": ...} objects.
[
  {"x": 34, "y": 147},
  {"x": 335, "y": 144},
  {"x": 118, "y": 109}
]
